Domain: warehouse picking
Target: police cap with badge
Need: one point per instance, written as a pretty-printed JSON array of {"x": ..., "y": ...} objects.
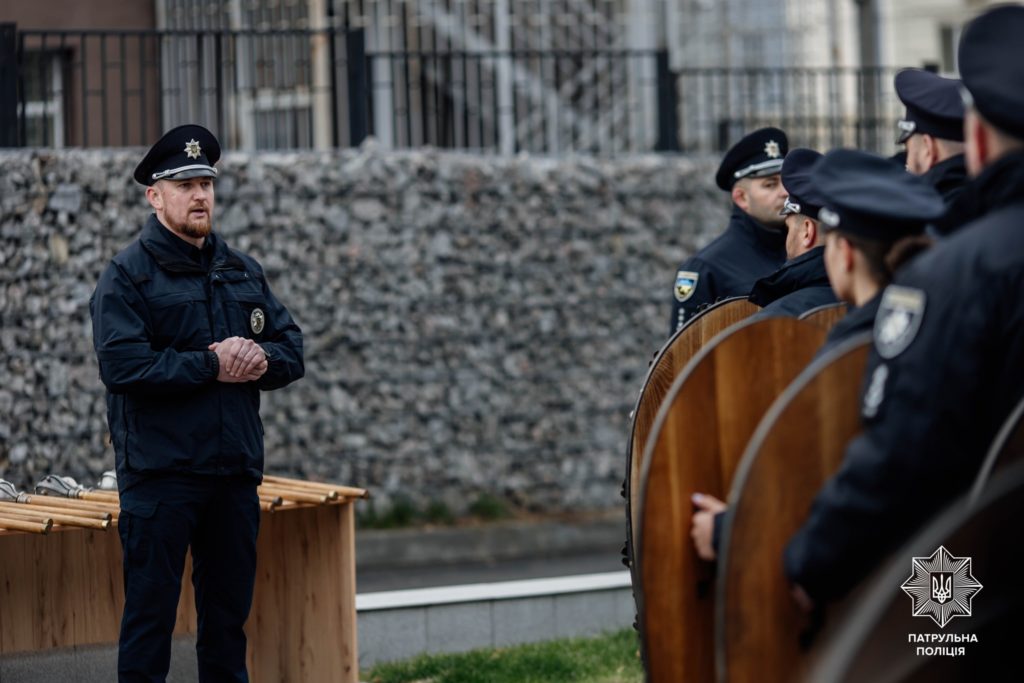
[
  {"x": 992, "y": 70},
  {"x": 757, "y": 155},
  {"x": 798, "y": 182},
  {"x": 188, "y": 151},
  {"x": 868, "y": 196},
  {"x": 934, "y": 105}
]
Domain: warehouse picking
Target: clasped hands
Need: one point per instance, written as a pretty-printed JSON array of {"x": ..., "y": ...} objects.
[{"x": 240, "y": 359}]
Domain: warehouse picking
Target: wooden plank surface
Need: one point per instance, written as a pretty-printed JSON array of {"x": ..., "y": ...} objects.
[
  {"x": 302, "y": 626},
  {"x": 695, "y": 444},
  {"x": 66, "y": 590},
  {"x": 798, "y": 445},
  {"x": 665, "y": 367},
  {"x": 826, "y": 316},
  {"x": 1006, "y": 449}
]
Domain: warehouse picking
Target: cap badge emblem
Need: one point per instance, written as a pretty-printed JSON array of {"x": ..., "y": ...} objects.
[
  {"x": 771, "y": 148},
  {"x": 192, "y": 149}
]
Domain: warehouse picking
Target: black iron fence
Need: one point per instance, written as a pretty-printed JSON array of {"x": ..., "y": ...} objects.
[{"x": 294, "y": 89}]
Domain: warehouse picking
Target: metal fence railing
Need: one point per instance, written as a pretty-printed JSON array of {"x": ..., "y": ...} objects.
[{"x": 324, "y": 88}]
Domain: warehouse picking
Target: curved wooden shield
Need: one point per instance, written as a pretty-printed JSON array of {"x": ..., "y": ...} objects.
[
  {"x": 665, "y": 367},
  {"x": 1006, "y": 448},
  {"x": 872, "y": 641},
  {"x": 826, "y": 316},
  {"x": 798, "y": 445},
  {"x": 695, "y": 444}
]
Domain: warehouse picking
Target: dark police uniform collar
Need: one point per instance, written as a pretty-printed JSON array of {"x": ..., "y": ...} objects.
[
  {"x": 768, "y": 238},
  {"x": 178, "y": 256},
  {"x": 859, "y": 319},
  {"x": 999, "y": 184},
  {"x": 806, "y": 270}
]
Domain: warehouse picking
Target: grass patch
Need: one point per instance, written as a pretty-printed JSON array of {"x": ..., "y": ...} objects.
[
  {"x": 488, "y": 507},
  {"x": 403, "y": 513},
  {"x": 611, "y": 658}
]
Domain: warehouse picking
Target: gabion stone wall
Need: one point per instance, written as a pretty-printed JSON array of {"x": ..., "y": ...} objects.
[{"x": 473, "y": 324}]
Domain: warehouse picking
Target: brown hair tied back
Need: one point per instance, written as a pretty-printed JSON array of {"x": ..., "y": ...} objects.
[
  {"x": 885, "y": 258},
  {"x": 904, "y": 250}
]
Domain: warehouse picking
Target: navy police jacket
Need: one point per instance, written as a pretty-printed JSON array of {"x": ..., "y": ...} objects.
[
  {"x": 858, "y": 320},
  {"x": 155, "y": 311},
  {"x": 727, "y": 267},
  {"x": 945, "y": 370},
  {"x": 948, "y": 177},
  {"x": 800, "y": 285}
]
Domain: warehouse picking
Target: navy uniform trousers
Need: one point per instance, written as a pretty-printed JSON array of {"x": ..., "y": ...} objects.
[{"x": 161, "y": 517}]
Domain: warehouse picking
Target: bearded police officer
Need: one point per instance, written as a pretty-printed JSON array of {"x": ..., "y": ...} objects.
[
  {"x": 947, "y": 364},
  {"x": 187, "y": 333},
  {"x": 753, "y": 244},
  {"x": 801, "y": 284},
  {"x": 933, "y": 129}
]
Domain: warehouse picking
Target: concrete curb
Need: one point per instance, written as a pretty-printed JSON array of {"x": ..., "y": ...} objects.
[{"x": 489, "y": 542}]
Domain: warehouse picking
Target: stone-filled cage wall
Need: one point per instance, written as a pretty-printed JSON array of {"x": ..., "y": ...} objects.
[{"x": 472, "y": 324}]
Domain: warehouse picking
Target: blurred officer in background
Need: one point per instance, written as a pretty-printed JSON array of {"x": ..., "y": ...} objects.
[{"x": 753, "y": 244}]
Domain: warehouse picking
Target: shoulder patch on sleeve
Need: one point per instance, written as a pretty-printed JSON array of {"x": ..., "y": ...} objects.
[
  {"x": 686, "y": 284},
  {"x": 898, "y": 320}
]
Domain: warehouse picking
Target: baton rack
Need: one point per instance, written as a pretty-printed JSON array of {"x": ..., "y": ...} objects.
[{"x": 63, "y": 587}]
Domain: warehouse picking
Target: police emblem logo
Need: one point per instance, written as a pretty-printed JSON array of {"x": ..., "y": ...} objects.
[
  {"x": 941, "y": 586},
  {"x": 899, "y": 319},
  {"x": 192, "y": 150},
  {"x": 771, "y": 148},
  {"x": 686, "y": 284},
  {"x": 257, "y": 320}
]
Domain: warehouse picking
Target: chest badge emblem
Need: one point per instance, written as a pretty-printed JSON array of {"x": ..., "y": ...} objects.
[{"x": 257, "y": 320}]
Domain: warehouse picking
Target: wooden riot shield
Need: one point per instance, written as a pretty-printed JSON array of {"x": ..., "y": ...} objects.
[
  {"x": 1006, "y": 448},
  {"x": 698, "y": 436},
  {"x": 826, "y": 316},
  {"x": 665, "y": 367},
  {"x": 879, "y": 638},
  {"x": 797, "y": 446}
]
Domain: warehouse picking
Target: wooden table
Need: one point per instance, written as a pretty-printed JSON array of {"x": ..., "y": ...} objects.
[{"x": 66, "y": 589}]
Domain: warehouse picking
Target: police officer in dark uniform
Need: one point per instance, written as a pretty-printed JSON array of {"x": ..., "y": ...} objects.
[
  {"x": 858, "y": 236},
  {"x": 187, "y": 333},
  {"x": 933, "y": 129},
  {"x": 863, "y": 252},
  {"x": 753, "y": 245},
  {"x": 947, "y": 364},
  {"x": 801, "y": 284}
]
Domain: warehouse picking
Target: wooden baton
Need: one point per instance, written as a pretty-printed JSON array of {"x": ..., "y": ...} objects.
[
  {"x": 17, "y": 524},
  {"x": 27, "y": 514}
]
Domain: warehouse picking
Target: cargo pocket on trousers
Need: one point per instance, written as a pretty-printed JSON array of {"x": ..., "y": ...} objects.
[{"x": 130, "y": 527}]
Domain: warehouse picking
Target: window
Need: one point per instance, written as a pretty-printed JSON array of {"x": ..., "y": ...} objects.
[
  {"x": 949, "y": 38},
  {"x": 42, "y": 113}
]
